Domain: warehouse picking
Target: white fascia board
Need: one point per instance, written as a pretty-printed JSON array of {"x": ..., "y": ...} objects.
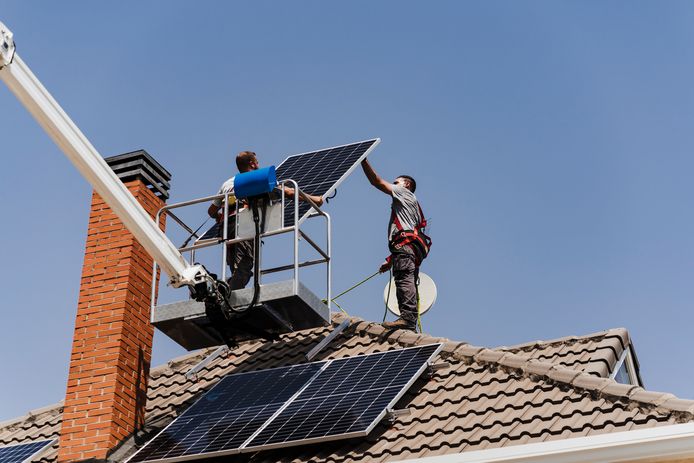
[{"x": 663, "y": 443}]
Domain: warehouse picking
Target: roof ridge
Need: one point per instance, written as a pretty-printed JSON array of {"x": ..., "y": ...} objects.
[
  {"x": 32, "y": 414},
  {"x": 662, "y": 402},
  {"x": 620, "y": 332}
]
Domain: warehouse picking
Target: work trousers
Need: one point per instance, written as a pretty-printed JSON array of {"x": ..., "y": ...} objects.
[
  {"x": 240, "y": 260},
  {"x": 405, "y": 274}
]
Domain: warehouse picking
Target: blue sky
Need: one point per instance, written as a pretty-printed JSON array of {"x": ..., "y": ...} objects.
[{"x": 551, "y": 142}]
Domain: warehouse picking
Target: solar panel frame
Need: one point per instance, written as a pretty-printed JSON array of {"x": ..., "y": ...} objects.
[
  {"x": 363, "y": 433},
  {"x": 190, "y": 411},
  {"x": 245, "y": 447},
  {"x": 335, "y": 184},
  {"x": 44, "y": 444},
  {"x": 214, "y": 233}
]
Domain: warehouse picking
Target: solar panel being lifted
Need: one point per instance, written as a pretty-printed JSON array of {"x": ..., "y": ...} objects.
[
  {"x": 282, "y": 407},
  {"x": 317, "y": 173},
  {"x": 320, "y": 172},
  {"x": 22, "y": 452}
]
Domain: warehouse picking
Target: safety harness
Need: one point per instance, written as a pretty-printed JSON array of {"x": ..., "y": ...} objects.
[{"x": 416, "y": 239}]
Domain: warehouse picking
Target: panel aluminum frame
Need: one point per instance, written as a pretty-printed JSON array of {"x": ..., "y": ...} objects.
[
  {"x": 247, "y": 448},
  {"x": 348, "y": 172},
  {"x": 46, "y": 444}
]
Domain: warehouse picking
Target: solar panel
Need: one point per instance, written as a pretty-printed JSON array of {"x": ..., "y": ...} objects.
[
  {"x": 347, "y": 399},
  {"x": 215, "y": 231},
  {"x": 18, "y": 453},
  {"x": 320, "y": 172},
  {"x": 287, "y": 406},
  {"x": 316, "y": 172},
  {"x": 227, "y": 415}
]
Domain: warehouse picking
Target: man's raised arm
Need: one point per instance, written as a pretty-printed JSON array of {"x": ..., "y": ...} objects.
[
  {"x": 374, "y": 179},
  {"x": 316, "y": 199}
]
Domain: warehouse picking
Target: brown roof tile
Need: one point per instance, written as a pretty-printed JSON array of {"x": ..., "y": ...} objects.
[
  {"x": 595, "y": 353},
  {"x": 487, "y": 398}
]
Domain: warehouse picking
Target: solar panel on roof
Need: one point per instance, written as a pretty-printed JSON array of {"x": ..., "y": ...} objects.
[
  {"x": 347, "y": 399},
  {"x": 248, "y": 412},
  {"x": 227, "y": 415},
  {"x": 19, "y": 453},
  {"x": 320, "y": 172}
]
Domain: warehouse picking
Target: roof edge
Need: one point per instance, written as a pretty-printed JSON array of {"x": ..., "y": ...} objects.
[
  {"x": 664, "y": 443},
  {"x": 32, "y": 414},
  {"x": 621, "y": 333},
  {"x": 666, "y": 403}
]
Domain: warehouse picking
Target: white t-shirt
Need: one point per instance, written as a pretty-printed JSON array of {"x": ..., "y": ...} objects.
[
  {"x": 227, "y": 187},
  {"x": 406, "y": 208}
]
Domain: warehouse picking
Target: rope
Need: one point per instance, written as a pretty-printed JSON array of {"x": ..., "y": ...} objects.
[
  {"x": 348, "y": 290},
  {"x": 419, "y": 314},
  {"x": 358, "y": 284},
  {"x": 340, "y": 307},
  {"x": 390, "y": 280}
]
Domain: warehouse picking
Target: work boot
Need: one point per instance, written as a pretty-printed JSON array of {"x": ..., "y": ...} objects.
[{"x": 399, "y": 324}]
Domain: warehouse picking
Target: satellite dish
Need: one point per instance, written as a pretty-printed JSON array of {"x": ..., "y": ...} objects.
[{"x": 425, "y": 287}]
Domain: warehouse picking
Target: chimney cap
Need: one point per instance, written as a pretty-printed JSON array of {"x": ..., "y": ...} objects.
[{"x": 141, "y": 165}]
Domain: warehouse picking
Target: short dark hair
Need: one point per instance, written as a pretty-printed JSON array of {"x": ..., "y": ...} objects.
[
  {"x": 244, "y": 159},
  {"x": 411, "y": 184}
]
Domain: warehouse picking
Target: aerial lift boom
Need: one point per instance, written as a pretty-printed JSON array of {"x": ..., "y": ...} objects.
[
  {"x": 282, "y": 307},
  {"x": 82, "y": 154}
]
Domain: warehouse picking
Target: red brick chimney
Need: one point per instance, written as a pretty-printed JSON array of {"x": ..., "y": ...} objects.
[{"x": 112, "y": 345}]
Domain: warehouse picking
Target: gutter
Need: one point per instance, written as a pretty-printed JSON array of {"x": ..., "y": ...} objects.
[{"x": 658, "y": 444}]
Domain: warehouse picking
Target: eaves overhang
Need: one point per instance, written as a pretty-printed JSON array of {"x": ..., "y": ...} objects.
[{"x": 661, "y": 444}]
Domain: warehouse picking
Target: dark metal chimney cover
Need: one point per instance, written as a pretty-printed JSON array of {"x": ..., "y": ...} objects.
[{"x": 141, "y": 165}]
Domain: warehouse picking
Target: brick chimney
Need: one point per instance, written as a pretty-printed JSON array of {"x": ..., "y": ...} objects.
[{"x": 112, "y": 345}]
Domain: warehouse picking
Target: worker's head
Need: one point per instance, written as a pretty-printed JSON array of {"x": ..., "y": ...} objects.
[
  {"x": 247, "y": 161},
  {"x": 406, "y": 181}
]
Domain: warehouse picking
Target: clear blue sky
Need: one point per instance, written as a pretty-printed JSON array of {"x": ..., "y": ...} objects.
[{"x": 551, "y": 141}]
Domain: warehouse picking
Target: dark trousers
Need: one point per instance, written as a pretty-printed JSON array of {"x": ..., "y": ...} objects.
[
  {"x": 240, "y": 260},
  {"x": 405, "y": 274}
]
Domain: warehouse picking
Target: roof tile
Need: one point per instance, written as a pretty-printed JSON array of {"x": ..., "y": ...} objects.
[
  {"x": 488, "y": 398},
  {"x": 586, "y": 381},
  {"x": 564, "y": 375},
  {"x": 538, "y": 368},
  {"x": 651, "y": 397},
  {"x": 618, "y": 390}
]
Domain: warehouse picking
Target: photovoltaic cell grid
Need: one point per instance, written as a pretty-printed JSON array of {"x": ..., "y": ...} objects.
[
  {"x": 288, "y": 406},
  {"x": 317, "y": 173},
  {"x": 320, "y": 172},
  {"x": 227, "y": 415},
  {"x": 22, "y": 452},
  {"x": 347, "y": 399}
]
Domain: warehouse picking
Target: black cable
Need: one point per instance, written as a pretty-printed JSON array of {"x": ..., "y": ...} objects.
[
  {"x": 195, "y": 233},
  {"x": 327, "y": 200},
  {"x": 256, "y": 254}
]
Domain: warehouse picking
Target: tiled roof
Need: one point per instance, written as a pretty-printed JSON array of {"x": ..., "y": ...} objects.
[
  {"x": 487, "y": 398},
  {"x": 595, "y": 353}
]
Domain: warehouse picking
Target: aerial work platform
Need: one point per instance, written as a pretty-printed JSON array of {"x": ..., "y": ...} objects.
[
  {"x": 277, "y": 307},
  {"x": 280, "y": 309},
  {"x": 283, "y": 306}
]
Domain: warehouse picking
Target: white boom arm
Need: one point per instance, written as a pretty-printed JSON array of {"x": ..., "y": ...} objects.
[{"x": 48, "y": 113}]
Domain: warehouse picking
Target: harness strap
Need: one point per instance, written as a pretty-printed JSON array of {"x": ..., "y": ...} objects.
[{"x": 422, "y": 221}]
